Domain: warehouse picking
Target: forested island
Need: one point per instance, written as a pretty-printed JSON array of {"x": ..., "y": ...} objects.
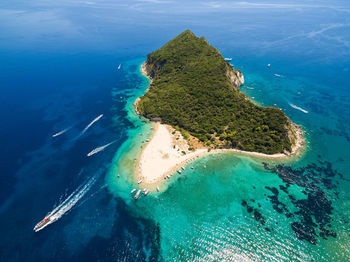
[{"x": 196, "y": 91}]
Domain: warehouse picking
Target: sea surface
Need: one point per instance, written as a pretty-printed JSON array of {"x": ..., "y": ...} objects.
[{"x": 59, "y": 71}]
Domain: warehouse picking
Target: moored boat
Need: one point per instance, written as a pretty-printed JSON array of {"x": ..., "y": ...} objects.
[{"x": 137, "y": 194}]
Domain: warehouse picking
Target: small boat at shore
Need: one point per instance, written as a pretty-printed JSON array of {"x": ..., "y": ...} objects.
[
  {"x": 137, "y": 194},
  {"x": 145, "y": 191},
  {"x": 183, "y": 168},
  {"x": 139, "y": 182},
  {"x": 132, "y": 191},
  {"x": 228, "y": 59},
  {"x": 179, "y": 171},
  {"x": 157, "y": 188}
]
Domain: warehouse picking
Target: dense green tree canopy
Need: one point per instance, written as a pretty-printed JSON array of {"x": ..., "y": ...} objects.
[{"x": 191, "y": 90}]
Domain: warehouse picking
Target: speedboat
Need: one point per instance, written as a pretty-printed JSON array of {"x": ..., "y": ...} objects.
[{"x": 43, "y": 223}]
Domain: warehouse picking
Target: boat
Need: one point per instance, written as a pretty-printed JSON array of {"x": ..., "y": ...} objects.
[
  {"x": 60, "y": 133},
  {"x": 268, "y": 65},
  {"x": 183, "y": 168},
  {"x": 228, "y": 59},
  {"x": 43, "y": 223},
  {"x": 157, "y": 188},
  {"x": 192, "y": 167},
  {"x": 137, "y": 194},
  {"x": 118, "y": 176},
  {"x": 139, "y": 182},
  {"x": 119, "y": 66},
  {"x": 145, "y": 191},
  {"x": 132, "y": 191},
  {"x": 100, "y": 148},
  {"x": 205, "y": 166},
  {"x": 179, "y": 171}
]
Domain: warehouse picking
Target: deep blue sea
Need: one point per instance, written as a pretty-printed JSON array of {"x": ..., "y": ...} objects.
[{"x": 59, "y": 71}]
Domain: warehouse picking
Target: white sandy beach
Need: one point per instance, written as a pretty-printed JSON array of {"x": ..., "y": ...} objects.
[
  {"x": 163, "y": 156},
  {"x": 166, "y": 153}
]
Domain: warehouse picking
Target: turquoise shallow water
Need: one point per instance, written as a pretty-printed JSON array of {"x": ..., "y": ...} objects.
[
  {"x": 58, "y": 70},
  {"x": 237, "y": 209}
]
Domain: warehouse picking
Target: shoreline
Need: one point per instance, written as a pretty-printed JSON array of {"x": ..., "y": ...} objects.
[{"x": 168, "y": 150}]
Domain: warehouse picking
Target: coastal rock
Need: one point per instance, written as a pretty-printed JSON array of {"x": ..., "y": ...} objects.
[{"x": 236, "y": 77}]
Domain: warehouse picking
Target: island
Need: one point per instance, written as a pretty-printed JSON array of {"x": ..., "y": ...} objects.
[{"x": 197, "y": 108}]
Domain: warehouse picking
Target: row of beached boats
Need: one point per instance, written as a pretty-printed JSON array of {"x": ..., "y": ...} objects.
[{"x": 146, "y": 191}]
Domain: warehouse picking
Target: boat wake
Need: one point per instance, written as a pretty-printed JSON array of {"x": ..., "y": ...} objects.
[
  {"x": 299, "y": 108},
  {"x": 66, "y": 205},
  {"x": 61, "y": 132},
  {"x": 91, "y": 123},
  {"x": 100, "y": 148}
]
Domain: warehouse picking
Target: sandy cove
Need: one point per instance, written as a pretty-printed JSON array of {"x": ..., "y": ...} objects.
[
  {"x": 162, "y": 156},
  {"x": 167, "y": 151}
]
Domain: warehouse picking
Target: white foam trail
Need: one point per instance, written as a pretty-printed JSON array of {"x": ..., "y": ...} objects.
[
  {"x": 100, "y": 148},
  {"x": 91, "y": 123},
  {"x": 61, "y": 132},
  {"x": 69, "y": 202},
  {"x": 73, "y": 200},
  {"x": 299, "y": 108}
]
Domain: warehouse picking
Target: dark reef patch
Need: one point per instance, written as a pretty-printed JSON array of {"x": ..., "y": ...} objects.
[
  {"x": 256, "y": 212},
  {"x": 312, "y": 217}
]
